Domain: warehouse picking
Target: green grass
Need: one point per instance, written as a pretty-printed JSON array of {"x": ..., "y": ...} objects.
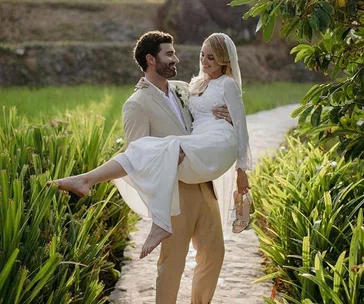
[
  {"x": 107, "y": 101},
  {"x": 54, "y": 102},
  {"x": 260, "y": 97}
]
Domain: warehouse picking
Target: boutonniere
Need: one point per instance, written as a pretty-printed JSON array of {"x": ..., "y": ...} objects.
[{"x": 183, "y": 94}]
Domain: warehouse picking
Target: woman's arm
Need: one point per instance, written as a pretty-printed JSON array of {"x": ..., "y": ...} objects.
[{"x": 233, "y": 99}]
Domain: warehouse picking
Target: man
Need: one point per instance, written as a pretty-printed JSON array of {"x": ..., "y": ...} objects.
[{"x": 159, "y": 111}]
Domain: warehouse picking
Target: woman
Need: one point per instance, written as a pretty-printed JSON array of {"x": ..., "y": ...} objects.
[{"x": 150, "y": 164}]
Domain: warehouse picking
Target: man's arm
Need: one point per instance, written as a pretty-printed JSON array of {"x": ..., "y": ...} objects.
[
  {"x": 222, "y": 112},
  {"x": 136, "y": 122}
]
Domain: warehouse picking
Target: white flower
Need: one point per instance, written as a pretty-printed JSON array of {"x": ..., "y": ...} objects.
[
  {"x": 119, "y": 140},
  {"x": 334, "y": 164},
  {"x": 360, "y": 122},
  {"x": 183, "y": 94}
]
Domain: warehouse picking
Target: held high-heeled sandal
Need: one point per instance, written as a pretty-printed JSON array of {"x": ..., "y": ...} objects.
[{"x": 242, "y": 207}]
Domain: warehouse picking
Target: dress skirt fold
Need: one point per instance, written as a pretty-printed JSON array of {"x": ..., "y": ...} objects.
[{"x": 153, "y": 170}]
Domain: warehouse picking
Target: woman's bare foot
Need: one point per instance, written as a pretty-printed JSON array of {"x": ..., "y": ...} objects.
[
  {"x": 155, "y": 237},
  {"x": 76, "y": 184}
]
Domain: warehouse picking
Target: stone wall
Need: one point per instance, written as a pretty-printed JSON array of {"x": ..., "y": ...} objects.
[{"x": 45, "y": 64}]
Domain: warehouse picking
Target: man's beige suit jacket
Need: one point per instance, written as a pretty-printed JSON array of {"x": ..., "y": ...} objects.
[{"x": 146, "y": 113}]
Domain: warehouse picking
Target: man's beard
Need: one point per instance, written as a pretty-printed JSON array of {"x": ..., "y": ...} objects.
[{"x": 166, "y": 70}]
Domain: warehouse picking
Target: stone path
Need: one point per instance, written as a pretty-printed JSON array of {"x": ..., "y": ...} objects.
[{"x": 242, "y": 263}]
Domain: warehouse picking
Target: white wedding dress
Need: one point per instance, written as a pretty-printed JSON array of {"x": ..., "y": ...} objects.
[{"x": 211, "y": 149}]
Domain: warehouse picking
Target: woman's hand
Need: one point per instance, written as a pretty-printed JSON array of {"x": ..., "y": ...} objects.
[
  {"x": 142, "y": 83},
  {"x": 242, "y": 182},
  {"x": 181, "y": 156}
]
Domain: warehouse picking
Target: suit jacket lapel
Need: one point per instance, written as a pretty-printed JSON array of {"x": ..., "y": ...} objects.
[
  {"x": 158, "y": 98},
  {"x": 184, "y": 110}
]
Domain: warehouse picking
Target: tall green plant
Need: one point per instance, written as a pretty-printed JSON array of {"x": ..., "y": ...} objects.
[
  {"x": 330, "y": 36},
  {"x": 52, "y": 249},
  {"x": 307, "y": 202}
]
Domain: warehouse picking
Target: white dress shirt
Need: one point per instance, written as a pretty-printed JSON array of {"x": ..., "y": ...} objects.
[{"x": 172, "y": 101}]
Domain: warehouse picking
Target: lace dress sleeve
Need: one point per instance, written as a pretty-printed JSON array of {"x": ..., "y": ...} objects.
[{"x": 233, "y": 99}]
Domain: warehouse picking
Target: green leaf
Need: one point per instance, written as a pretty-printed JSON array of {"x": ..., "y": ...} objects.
[
  {"x": 334, "y": 297},
  {"x": 324, "y": 19},
  {"x": 314, "y": 22},
  {"x": 239, "y": 2},
  {"x": 357, "y": 148},
  {"x": 305, "y": 114},
  {"x": 316, "y": 116},
  {"x": 301, "y": 55},
  {"x": 334, "y": 115},
  {"x": 302, "y": 47},
  {"x": 7, "y": 268},
  {"x": 316, "y": 89},
  {"x": 320, "y": 276},
  {"x": 259, "y": 25},
  {"x": 298, "y": 111},
  {"x": 307, "y": 30},
  {"x": 19, "y": 287},
  {"x": 338, "y": 271},
  {"x": 269, "y": 276},
  {"x": 46, "y": 269},
  {"x": 258, "y": 9},
  {"x": 306, "y": 253},
  {"x": 292, "y": 300},
  {"x": 287, "y": 29},
  {"x": 345, "y": 33},
  {"x": 268, "y": 28},
  {"x": 327, "y": 7},
  {"x": 353, "y": 259}
]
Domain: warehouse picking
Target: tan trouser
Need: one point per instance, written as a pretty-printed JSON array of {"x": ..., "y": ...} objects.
[{"x": 200, "y": 221}]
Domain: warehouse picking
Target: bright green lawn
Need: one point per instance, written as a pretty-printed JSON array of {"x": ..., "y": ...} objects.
[{"x": 108, "y": 100}]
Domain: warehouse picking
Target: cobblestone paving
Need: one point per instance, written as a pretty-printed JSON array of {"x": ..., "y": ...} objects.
[{"x": 242, "y": 263}]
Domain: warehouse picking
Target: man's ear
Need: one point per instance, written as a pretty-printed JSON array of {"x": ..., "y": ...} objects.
[{"x": 150, "y": 60}]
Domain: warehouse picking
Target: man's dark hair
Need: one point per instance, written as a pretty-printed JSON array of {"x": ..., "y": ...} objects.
[{"x": 149, "y": 43}]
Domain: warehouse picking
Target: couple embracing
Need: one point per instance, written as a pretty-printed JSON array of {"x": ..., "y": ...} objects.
[{"x": 180, "y": 137}]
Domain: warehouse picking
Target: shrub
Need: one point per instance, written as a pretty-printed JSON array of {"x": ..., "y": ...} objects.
[
  {"x": 307, "y": 202},
  {"x": 54, "y": 248},
  {"x": 330, "y": 36}
]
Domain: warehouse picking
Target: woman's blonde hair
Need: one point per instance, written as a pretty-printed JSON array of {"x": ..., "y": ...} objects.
[{"x": 217, "y": 44}]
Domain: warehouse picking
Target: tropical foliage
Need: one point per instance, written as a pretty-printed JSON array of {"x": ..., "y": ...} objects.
[
  {"x": 330, "y": 36},
  {"x": 309, "y": 198},
  {"x": 309, "y": 208},
  {"x": 55, "y": 248}
]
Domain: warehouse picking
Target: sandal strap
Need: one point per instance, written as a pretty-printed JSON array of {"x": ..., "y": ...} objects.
[
  {"x": 241, "y": 222},
  {"x": 242, "y": 202}
]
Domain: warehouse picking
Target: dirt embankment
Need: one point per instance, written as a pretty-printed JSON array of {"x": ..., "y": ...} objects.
[
  {"x": 112, "y": 63},
  {"x": 49, "y": 43},
  {"x": 23, "y": 22}
]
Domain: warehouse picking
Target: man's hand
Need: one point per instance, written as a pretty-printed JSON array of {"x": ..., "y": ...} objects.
[
  {"x": 181, "y": 156},
  {"x": 222, "y": 112},
  {"x": 242, "y": 182}
]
